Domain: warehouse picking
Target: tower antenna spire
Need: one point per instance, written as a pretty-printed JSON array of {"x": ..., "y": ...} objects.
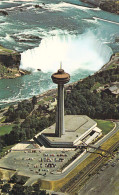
[{"x": 61, "y": 65}]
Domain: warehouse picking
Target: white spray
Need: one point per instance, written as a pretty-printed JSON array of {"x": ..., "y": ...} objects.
[{"x": 75, "y": 52}]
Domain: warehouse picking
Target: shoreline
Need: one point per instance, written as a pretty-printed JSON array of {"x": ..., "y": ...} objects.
[{"x": 91, "y": 2}]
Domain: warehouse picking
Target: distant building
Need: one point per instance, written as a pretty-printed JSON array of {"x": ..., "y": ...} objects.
[{"x": 113, "y": 90}]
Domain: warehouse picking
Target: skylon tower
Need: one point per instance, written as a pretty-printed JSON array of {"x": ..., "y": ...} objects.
[
  {"x": 60, "y": 78},
  {"x": 78, "y": 129}
]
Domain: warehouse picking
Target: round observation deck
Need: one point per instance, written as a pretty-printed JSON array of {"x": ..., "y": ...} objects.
[{"x": 60, "y": 77}]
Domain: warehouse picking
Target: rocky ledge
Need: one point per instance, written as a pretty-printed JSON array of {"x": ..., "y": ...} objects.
[
  {"x": 3, "y": 12},
  {"x": 11, "y": 73},
  {"x": 106, "y": 5},
  {"x": 112, "y": 64},
  {"x": 9, "y": 58},
  {"x": 110, "y": 6},
  {"x": 9, "y": 64}
]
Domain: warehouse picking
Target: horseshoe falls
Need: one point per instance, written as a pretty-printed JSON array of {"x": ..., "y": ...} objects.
[{"x": 75, "y": 53}]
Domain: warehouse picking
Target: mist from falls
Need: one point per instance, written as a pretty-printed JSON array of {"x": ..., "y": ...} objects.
[{"x": 84, "y": 51}]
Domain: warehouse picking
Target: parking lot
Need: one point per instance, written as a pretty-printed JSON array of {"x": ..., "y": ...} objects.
[{"x": 36, "y": 162}]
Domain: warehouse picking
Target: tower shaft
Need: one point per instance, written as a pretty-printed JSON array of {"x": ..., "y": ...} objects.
[
  {"x": 60, "y": 130},
  {"x": 60, "y": 78}
]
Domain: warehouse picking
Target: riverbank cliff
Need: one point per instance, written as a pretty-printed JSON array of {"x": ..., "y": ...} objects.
[
  {"x": 106, "y": 5},
  {"x": 9, "y": 63}
]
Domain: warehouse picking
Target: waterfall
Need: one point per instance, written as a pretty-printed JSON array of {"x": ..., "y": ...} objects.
[{"x": 84, "y": 51}]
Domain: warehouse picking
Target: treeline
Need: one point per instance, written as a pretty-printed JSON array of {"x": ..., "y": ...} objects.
[
  {"x": 22, "y": 111},
  {"x": 31, "y": 125},
  {"x": 26, "y": 130},
  {"x": 82, "y": 100},
  {"x": 15, "y": 186},
  {"x": 22, "y": 190}
]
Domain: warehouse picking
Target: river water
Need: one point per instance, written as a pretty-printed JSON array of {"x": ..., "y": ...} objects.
[{"x": 78, "y": 35}]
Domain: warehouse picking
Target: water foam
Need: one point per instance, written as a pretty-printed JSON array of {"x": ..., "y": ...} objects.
[
  {"x": 20, "y": 0},
  {"x": 96, "y": 18},
  {"x": 9, "y": 38},
  {"x": 65, "y": 5},
  {"x": 75, "y": 52}
]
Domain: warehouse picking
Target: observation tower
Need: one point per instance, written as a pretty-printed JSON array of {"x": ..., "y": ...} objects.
[
  {"x": 60, "y": 78},
  {"x": 78, "y": 128}
]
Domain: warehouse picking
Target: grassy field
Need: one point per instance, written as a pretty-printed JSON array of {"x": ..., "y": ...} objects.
[
  {"x": 2, "y": 119},
  {"x": 48, "y": 98},
  {"x": 105, "y": 126},
  {"x": 5, "y": 129},
  {"x": 96, "y": 86},
  {"x": 111, "y": 141},
  {"x": 45, "y": 99},
  {"x": 2, "y": 49},
  {"x": 112, "y": 66},
  {"x": 40, "y": 102}
]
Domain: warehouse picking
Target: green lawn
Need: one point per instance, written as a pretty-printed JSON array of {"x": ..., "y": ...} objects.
[
  {"x": 105, "y": 126},
  {"x": 5, "y": 129},
  {"x": 112, "y": 66},
  {"x": 48, "y": 98},
  {"x": 95, "y": 86},
  {"x": 2, "y": 119},
  {"x": 2, "y": 49},
  {"x": 40, "y": 102}
]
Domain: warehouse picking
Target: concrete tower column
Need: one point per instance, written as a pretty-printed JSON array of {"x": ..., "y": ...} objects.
[{"x": 60, "y": 126}]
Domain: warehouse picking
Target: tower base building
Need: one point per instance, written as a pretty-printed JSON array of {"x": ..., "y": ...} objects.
[{"x": 78, "y": 129}]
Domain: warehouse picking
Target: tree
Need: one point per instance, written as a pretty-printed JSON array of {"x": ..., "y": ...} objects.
[
  {"x": 1, "y": 175},
  {"x": 37, "y": 186},
  {"x": 34, "y": 100},
  {"x": 24, "y": 114},
  {"x": 14, "y": 135},
  {"x": 10, "y": 114},
  {"x": 6, "y": 187},
  {"x": 1, "y": 146},
  {"x": 14, "y": 178},
  {"x": 22, "y": 135},
  {"x": 28, "y": 190},
  {"x": 43, "y": 123},
  {"x": 11, "y": 109},
  {"x": 17, "y": 190}
]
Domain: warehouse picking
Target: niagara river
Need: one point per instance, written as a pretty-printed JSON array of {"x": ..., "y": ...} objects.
[{"x": 48, "y": 33}]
